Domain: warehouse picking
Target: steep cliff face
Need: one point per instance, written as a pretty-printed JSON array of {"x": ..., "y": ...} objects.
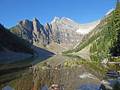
[
  {"x": 11, "y": 42},
  {"x": 68, "y": 32},
  {"x": 49, "y": 33},
  {"x": 23, "y": 29},
  {"x": 64, "y": 32},
  {"x": 32, "y": 31},
  {"x": 39, "y": 33}
]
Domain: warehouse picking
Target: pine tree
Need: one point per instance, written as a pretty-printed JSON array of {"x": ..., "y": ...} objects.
[
  {"x": 115, "y": 50},
  {"x": 118, "y": 4}
]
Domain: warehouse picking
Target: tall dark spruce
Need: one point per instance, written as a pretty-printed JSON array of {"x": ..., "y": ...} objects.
[{"x": 115, "y": 50}]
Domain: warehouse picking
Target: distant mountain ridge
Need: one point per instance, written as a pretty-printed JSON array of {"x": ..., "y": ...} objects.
[
  {"x": 67, "y": 23},
  {"x": 62, "y": 32}
]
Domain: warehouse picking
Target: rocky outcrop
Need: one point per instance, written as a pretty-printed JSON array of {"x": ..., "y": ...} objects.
[
  {"x": 32, "y": 31},
  {"x": 48, "y": 28},
  {"x": 26, "y": 28},
  {"x": 39, "y": 33}
]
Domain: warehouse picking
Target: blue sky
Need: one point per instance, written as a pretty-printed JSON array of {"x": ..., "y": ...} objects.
[{"x": 82, "y": 11}]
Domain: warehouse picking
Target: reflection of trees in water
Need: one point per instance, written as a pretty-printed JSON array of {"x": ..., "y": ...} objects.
[
  {"x": 23, "y": 83},
  {"x": 62, "y": 77},
  {"x": 39, "y": 77},
  {"x": 47, "y": 77}
]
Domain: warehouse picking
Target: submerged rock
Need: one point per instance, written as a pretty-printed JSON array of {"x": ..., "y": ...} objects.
[
  {"x": 45, "y": 87},
  {"x": 88, "y": 87},
  {"x": 7, "y": 88}
]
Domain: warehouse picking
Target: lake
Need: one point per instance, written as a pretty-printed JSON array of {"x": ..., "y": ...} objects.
[{"x": 35, "y": 74}]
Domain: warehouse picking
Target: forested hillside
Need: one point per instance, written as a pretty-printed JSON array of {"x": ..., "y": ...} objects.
[{"x": 104, "y": 40}]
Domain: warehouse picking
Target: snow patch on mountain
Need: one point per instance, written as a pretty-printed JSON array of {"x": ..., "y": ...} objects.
[
  {"x": 86, "y": 28},
  {"x": 55, "y": 19},
  {"x": 109, "y": 11},
  {"x": 68, "y": 24}
]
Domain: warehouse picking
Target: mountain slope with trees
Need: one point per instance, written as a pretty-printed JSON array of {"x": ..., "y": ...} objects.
[{"x": 104, "y": 41}]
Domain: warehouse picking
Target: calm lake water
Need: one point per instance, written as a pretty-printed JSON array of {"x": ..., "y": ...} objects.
[{"x": 47, "y": 73}]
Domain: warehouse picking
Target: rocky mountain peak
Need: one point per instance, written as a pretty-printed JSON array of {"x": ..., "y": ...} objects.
[
  {"x": 55, "y": 19},
  {"x": 66, "y": 19},
  {"x": 47, "y": 26},
  {"x": 36, "y": 24},
  {"x": 62, "y": 20},
  {"x": 26, "y": 24},
  {"x": 64, "y": 23},
  {"x": 35, "y": 20}
]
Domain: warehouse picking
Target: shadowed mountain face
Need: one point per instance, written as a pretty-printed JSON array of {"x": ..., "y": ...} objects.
[
  {"x": 61, "y": 32},
  {"x": 9, "y": 41},
  {"x": 14, "y": 48}
]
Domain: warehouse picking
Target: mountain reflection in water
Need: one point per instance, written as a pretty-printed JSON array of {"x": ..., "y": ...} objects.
[{"x": 35, "y": 78}]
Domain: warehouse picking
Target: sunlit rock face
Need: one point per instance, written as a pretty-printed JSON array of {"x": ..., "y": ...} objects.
[
  {"x": 64, "y": 31},
  {"x": 67, "y": 31},
  {"x": 24, "y": 29},
  {"x": 49, "y": 33},
  {"x": 31, "y": 31},
  {"x": 39, "y": 33}
]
